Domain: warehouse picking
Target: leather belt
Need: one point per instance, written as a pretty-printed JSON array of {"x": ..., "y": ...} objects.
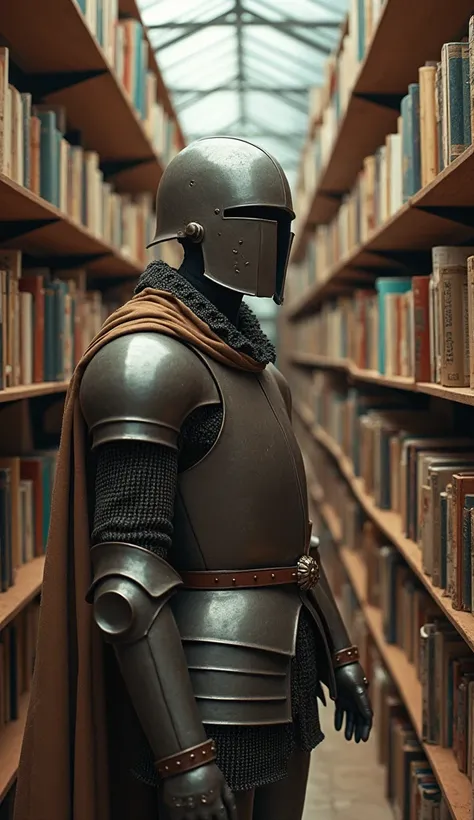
[{"x": 305, "y": 573}]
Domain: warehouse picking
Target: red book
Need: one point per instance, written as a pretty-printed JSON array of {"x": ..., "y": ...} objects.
[
  {"x": 35, "y": 285},
  {"x": 421, "y": 327}
]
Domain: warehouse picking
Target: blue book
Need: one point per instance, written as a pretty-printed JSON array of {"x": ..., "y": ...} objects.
[
  {"x": 385, "y": 286},
  {"x": 466, "y": 95},
  {"x": 100, "y": 22},
  {"x": 49, "y": 157},
  {"x": 138, "y": 91},
  {"x": 453, "y": 87},
  {"x": 26, "y": 106},
  {"x": 82, "y": 5},
  {"x": 414, "y": 92},
  {"x": 407, "y": 148}
]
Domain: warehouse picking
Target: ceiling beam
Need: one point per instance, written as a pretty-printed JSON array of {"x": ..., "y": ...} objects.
[
  {"x": 277, "y": 24},
  {"x": 290, "y": 32},
  {"x": 239, "y": 10},
  {"x": 190, "y": 28},
  {"x": 230, "y": 86}
]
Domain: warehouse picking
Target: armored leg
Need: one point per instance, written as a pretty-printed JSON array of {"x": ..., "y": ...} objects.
[{"x": 284, "y": 800}]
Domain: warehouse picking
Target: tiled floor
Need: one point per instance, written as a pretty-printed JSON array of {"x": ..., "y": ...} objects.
[{"x": 345, "y": 783}]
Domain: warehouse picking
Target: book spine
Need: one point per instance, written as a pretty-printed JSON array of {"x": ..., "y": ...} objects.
[
  {"x": 4, "y": 121},
  {"x": 440, "y": 116},
  {"x": 454, "y": 102},
  {"x": 414, "y": 111},
  {"x": 428, "y": 126},
  {"x": 466, "y": 553},
  {"x": 421, "y": 324},
  {"x": 49, "y": 158},
  {"x": 26, "y": 138},
  {"x": 442, "y": 580},
  {"x": 452, "y": 290},
  {"x": 466, "y": 94}
]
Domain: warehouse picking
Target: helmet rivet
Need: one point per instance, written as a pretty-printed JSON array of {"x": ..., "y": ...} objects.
[
  {"x": 237, "y": 270},
  {"x": 234, "y": 250},
  {"x": 217, "y": 210},
  {"x": 241, "y": 241},
  {"x": 194, "y": 231},
  {"x": 191, "y": 183},
  {"x": 247, "y": 264}
]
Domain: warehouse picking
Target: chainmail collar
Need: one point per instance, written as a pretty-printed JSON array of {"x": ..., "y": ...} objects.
[{"x": 247, "y": 337}]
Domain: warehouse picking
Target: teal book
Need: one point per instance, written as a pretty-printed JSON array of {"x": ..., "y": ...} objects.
[
  {"x": 59, "y": 289},
  {"x": 26, "y": 117},
  {"x": 453, "y": 87},
  {"x": 466, "y": 95},
  {"x": 82, "y": 5},
  {"x": 49, "y": 157},
  {"x": 414, "y": 113},
  {"x": 466, "y": 554},
  {"x": 138, "y": 91},
  {"x": 385, "y": 286},
  {"x": 100, "y": 22},
  {"x": 407, "y": 149},
  {"x": 360, "y": 45},
  {"x": 49, "y": 335},
  {"x": 439, "y": 114}
]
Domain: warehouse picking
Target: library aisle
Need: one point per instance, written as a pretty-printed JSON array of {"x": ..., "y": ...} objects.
[{"x": 345, "y": 784}]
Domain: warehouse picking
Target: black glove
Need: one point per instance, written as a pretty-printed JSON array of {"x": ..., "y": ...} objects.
[
  {"x": 353, "y": 701},
  {"x": 200, "y": 794}
]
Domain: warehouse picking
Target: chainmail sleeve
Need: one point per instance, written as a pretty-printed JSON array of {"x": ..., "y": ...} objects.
[{"x": 135, "y": 486}]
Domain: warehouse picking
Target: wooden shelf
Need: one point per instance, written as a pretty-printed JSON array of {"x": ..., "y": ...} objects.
[
  {"x": 97, "y": 103},
  {"x": 383, "y": 76},
  {"x": 455, "y": 785},
  {"x": 11, "y": 738},
  {"x": 389, "y": 523},
  {"x": 40, "y": 228},
  {"x": 27, "y": 585},
  {"x": 412, "y": 229},
  {"x": 461, "y": 395},
  {"x": 30, "y": 391}
]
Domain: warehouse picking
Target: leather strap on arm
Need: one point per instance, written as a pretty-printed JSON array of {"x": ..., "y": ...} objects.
[
  {"x": 345, "y": 656},
  {"x": 186, "y": 760}
]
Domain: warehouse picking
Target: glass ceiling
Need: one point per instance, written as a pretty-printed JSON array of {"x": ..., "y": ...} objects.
[{"x": 244, "y": 67}]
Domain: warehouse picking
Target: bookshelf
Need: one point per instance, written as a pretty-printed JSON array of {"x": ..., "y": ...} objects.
[
  {"x": 419, "y": 31},
  {"x": 411, "y": 229},
  {"x": 81, "y": 73},
  {"x": 461, "y": 395},
  {"x": 455, "y": 786},
  {"x": 382, "y": 195}
]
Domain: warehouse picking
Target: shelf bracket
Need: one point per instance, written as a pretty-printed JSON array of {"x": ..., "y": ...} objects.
[
  {"x": 63, "y": 262},
  {"x": 383, "y": 100},
  {"x": 463, "y": 215},
  {"x": 116, "y": 166},
  {"x": 16, "y": 228},
  {"x": 417, "y": 260},
  {"x": 40, "y": 85}
]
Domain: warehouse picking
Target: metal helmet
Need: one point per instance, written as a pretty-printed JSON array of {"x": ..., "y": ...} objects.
[{"x": 234, "y": 199}]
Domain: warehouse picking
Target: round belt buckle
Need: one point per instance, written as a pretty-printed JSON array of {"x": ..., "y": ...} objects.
[{"x": 307, "y": 572}]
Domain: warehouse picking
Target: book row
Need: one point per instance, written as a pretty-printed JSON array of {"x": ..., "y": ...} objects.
[
  {"x": 412, "y": 462},
  {"x": 35, "y": 153},
  {"x": 26, "y": 485},
  {"x": 329, "y": 102},
  {"x": 128, "y": 51},
  {"x": 17, "y": 655},
  {"x": 47, "y": 319},
  {"x": 433, "y": 129},
  {"x": 419, "y": 327},
  {"x": 411, "y": 786}
]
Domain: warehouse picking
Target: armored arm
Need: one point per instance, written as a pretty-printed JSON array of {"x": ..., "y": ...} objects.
[
  {"x": 352, "y": 701},
  {"x": 130, "y": 394}
]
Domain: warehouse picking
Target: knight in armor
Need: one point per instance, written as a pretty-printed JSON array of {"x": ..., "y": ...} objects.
[{"x": 186, "y": 628}]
